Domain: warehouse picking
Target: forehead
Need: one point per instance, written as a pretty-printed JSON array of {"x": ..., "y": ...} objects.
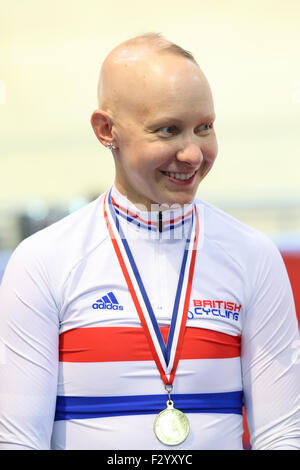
[
  {"x": 180, "y": 92},
  {"x": 166, "y": 84}
]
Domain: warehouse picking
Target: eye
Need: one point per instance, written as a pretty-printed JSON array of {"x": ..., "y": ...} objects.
[
  {"x": 204, "y": 127},
  {"x": 167, "y": 131}
]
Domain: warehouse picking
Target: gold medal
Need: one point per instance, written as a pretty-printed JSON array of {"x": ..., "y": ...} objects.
[{"x": 171, "y": 426}]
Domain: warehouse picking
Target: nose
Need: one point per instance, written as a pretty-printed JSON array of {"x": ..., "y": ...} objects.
[{"x": 190, "y": 153}]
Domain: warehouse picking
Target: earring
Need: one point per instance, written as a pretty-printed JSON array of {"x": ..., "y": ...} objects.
[{"x": 111, "y": 146}]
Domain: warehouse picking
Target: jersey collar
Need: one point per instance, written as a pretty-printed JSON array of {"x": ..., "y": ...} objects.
[{"x": 174, "y": 220}]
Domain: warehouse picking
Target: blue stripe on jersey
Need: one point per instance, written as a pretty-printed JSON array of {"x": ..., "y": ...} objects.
[
  {"x": 100, "y": 407},
  {"x": 134, "y": 221},
  {"x": 139, "y": 224}
]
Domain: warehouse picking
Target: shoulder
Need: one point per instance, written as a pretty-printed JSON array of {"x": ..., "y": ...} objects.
[
  {"x": 62, "y": 244},
  {"x": 244, "y": 243},
  {"x": 247, "y": 253},
  {"x": 72, "y": 226}
]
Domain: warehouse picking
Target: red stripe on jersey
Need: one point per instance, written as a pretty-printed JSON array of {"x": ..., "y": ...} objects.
[
  {"x": 181, "y": 217},
  {"x": 109, "y": 344},
  {"x": 147, "y": 222},
  {"x": 131, "y": 214}
]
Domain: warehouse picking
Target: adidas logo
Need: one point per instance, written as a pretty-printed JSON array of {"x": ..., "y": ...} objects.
[{"x": 108, "y": 302}]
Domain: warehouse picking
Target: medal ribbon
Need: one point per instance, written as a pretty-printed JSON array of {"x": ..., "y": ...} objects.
[{"x": 165, "y": 357}]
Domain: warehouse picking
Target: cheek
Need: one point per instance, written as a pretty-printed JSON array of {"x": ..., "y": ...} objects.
[
  {"x": 163, "y": 152},
  {"x": 154, "y": 156},
  {"x": 210, "y": 150}
]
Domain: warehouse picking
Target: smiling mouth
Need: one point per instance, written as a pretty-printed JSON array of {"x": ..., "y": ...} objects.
[{"x": 179, "y": 176}]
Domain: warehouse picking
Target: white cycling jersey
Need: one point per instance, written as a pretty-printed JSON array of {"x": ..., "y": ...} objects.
[{"x": 76, "y": 368}]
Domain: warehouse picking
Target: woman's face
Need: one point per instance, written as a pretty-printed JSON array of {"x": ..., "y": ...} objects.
[{"x": 166, "y": 141}]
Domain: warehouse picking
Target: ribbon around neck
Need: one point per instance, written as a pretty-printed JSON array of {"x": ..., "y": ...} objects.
[{"x": 166, "y": 356}]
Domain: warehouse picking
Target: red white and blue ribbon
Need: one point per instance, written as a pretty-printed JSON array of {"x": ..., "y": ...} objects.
[{"x": 166, "y": 356}]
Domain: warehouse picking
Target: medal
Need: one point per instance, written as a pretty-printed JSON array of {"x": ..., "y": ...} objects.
[{"x": 171, "y": 426}]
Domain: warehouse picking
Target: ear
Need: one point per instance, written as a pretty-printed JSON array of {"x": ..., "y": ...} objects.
[{"x": 102, "y": 125}]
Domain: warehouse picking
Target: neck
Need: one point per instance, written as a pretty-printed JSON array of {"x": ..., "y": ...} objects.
[
  {"x": 147, "y": 205},
  {"x": 173, "y": 219}
]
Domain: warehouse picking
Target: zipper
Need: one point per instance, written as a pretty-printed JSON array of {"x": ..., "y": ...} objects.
[{"x": 160, "y": 222}]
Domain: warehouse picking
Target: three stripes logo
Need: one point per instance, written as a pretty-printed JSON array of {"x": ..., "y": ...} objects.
[{"x": 107, "y": 302}]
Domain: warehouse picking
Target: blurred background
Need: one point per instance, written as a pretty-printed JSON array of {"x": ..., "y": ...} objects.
[{"x": 50, "y": 56}]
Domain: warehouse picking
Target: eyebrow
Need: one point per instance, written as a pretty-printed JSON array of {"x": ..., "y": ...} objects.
[{"x": 171, "y": 120}]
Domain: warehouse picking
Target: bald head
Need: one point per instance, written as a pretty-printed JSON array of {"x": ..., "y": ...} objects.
[
  {"x": 135, "y": 66},
  {"x": 156, "y": 109}
]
